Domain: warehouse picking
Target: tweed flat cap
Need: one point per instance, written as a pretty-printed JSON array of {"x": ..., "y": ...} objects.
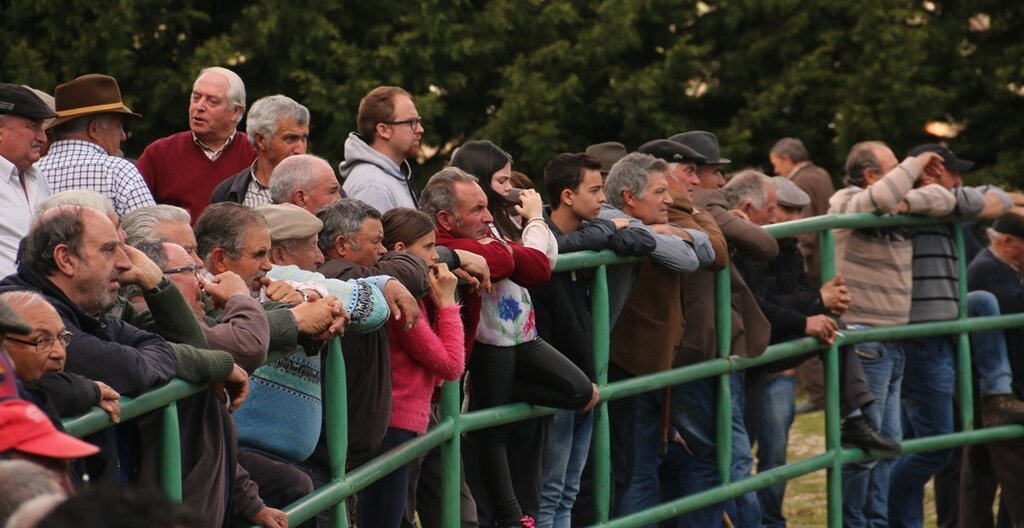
[{"x": 289, "y": 222}]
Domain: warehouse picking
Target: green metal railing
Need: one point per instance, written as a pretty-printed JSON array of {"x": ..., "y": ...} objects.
[{"x": 447, "y": 433}]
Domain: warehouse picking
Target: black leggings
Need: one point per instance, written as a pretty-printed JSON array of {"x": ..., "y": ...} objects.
[{"x": 533, "y": 372}]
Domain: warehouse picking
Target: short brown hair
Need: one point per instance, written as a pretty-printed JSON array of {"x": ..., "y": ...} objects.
[{"x": 377, "y": 106}]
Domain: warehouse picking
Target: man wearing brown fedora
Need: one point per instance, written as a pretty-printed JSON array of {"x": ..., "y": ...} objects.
[
  {"x": 22, "y": 187},
  {"x": 87, "y": 137}
]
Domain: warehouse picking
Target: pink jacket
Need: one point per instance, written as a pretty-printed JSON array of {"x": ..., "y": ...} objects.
[{"x": 421, "y": 359}]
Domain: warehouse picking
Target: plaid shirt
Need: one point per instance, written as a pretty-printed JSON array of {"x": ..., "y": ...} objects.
[{"x": 74, "y": 164}]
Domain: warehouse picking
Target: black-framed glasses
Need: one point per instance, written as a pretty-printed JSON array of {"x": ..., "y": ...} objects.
[
  {"x": 45, "y": 343},
  {"x": 413, "y": 123},
  {"x": 191, "y": 268}
]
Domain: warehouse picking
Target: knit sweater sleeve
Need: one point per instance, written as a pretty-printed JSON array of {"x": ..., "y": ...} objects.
[
  {"x": 884, "y": 195},
  {"x": 439, "y": 350},
  {"x": 930, "y": 200}
]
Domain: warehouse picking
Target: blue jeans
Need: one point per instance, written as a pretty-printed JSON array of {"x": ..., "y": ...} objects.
[
  {"x": 989, "y": 348},
  {"x": 564, "y": 457},
  {"x": 927, "y": 411},
  {"x": 866, "y": 485},
  {"x": 693, "y": 413},
  {"x": 644, "y": 487},
  {"x": 774, "y": 418},
  {"x": 743, "y": 510}
]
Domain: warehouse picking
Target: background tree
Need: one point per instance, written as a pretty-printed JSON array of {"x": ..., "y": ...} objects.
[{"x": 543, "y": 77}]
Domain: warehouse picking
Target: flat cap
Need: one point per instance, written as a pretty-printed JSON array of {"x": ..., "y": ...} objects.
[
  {"x": 671, "y": 151},
  {"x": 608, "y": 152},
  {"x": 1010, "y": 224},
  {"x": 21, "y": 101},
  {"x": 288, "y": 221},
  {"x": 790, "y": 195}
]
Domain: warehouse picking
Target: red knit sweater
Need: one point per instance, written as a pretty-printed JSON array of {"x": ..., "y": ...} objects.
[
  {"x": 179, "y": 173},
  {"x": 421, "y": 359},
  {"x": 526, "y": 267}
]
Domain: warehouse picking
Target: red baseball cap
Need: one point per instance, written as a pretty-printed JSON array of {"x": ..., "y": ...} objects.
[{"x": 25, "y": 428}]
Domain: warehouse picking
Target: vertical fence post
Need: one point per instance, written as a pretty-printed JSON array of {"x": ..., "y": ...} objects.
[
  {"x": 601, "y": 447},
  {"x": 170, "y": 453},
  {"x": 336, "y": 422},
  {"x": 723, "y": 413},
  {"x": 833, "y": 445},
  {"x": 451, "y": 453},
  {"x": 963, "y": 339}
]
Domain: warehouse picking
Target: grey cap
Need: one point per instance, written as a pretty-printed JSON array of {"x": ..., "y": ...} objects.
[
  {"x": 790, "y": 195},
  {"x": 608, "y": 152},
  {"x": 11, "y": 322},
  {"x": 705, "y": 143}
]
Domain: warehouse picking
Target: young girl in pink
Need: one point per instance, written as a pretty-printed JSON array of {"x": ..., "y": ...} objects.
[{"x": 422, "y": 358}]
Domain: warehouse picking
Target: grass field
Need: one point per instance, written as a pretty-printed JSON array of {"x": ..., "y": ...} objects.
[{"x": 805, "y": 505}]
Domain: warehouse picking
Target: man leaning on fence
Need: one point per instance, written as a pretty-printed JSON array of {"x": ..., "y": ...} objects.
[
  {"x": 986, "y": 467},
  {"x": 876, "y": 263}
]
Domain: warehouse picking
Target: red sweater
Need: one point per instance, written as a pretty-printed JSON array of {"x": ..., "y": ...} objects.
[
  {"x": 421, "y": 359},
  {"x": 526, "y": 267},
  {"x": 179, "y": 173}
]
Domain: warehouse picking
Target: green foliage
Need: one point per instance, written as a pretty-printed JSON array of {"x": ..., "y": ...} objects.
[{"x": 541, "y": 77}]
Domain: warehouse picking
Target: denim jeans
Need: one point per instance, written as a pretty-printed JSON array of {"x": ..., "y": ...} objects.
[
  {"x": 644, "y": 488},
  {"x": 866, "y": 485},
  {"x": 693, "y": 413},
  {"x": 564, "y": 457},
  {"x": 927, "y": 410},
  {"x": 989, "y": 348},
  {"x": 743, "y": 510},
  {"x": 775, "y": 417}
]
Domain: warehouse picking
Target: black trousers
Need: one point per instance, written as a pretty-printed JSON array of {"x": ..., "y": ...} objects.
[{"x": 532, "y": 372}]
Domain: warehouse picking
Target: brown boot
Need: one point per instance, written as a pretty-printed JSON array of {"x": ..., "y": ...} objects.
[{"x": 1001, "y": 409}]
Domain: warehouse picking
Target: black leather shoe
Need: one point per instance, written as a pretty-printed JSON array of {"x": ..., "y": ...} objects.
[
  {"x": 860, "y": 432},
  {"x": 1001, "y": 409}
]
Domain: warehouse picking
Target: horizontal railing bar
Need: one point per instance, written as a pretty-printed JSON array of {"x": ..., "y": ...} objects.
[{"x": 97, "y": 419}]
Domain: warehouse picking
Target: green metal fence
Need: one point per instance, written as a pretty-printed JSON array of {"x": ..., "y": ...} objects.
[{"x": 447, "y": 433}]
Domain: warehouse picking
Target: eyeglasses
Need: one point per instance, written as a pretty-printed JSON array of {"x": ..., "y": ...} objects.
[
  {"x": 191, "y": 268},
  {"x": 45, "y": 343},
  {"x": 413, "y": 123}
]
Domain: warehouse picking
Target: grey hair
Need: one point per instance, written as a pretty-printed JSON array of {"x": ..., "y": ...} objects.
[
  {"x": 343, "y": 218},
  {"x": 631, "y": 174},
  {"x": 31, "y": 512},
  {"x": 861, "y": 159},
  {"x": 267, "y": 111},
  {"x": 141, "y": 223},
  {"x": 236, "y": 88},
  {"x": 80, "y": 197},
  {"x": 295, "y": 172},
  {"x": 76, "y": 127},
  {"x": 746, "y": 186},
  {"x": 439, "y": 192},
  {"x": 21, "y": 480},
  {"x": 224, "y": 225},
  {"x": 792, "y": 148},
  {"x": 20, "y": 300}
]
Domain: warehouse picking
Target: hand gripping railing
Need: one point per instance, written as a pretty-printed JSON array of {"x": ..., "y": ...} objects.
[{"x": 448, "y": 432}]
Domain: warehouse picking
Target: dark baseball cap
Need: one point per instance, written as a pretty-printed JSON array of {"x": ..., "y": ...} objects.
[
  {"x": 671, "y": 151},
  {"x": 20, "y": 101},
  {"x": 949, "y": 159}
]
